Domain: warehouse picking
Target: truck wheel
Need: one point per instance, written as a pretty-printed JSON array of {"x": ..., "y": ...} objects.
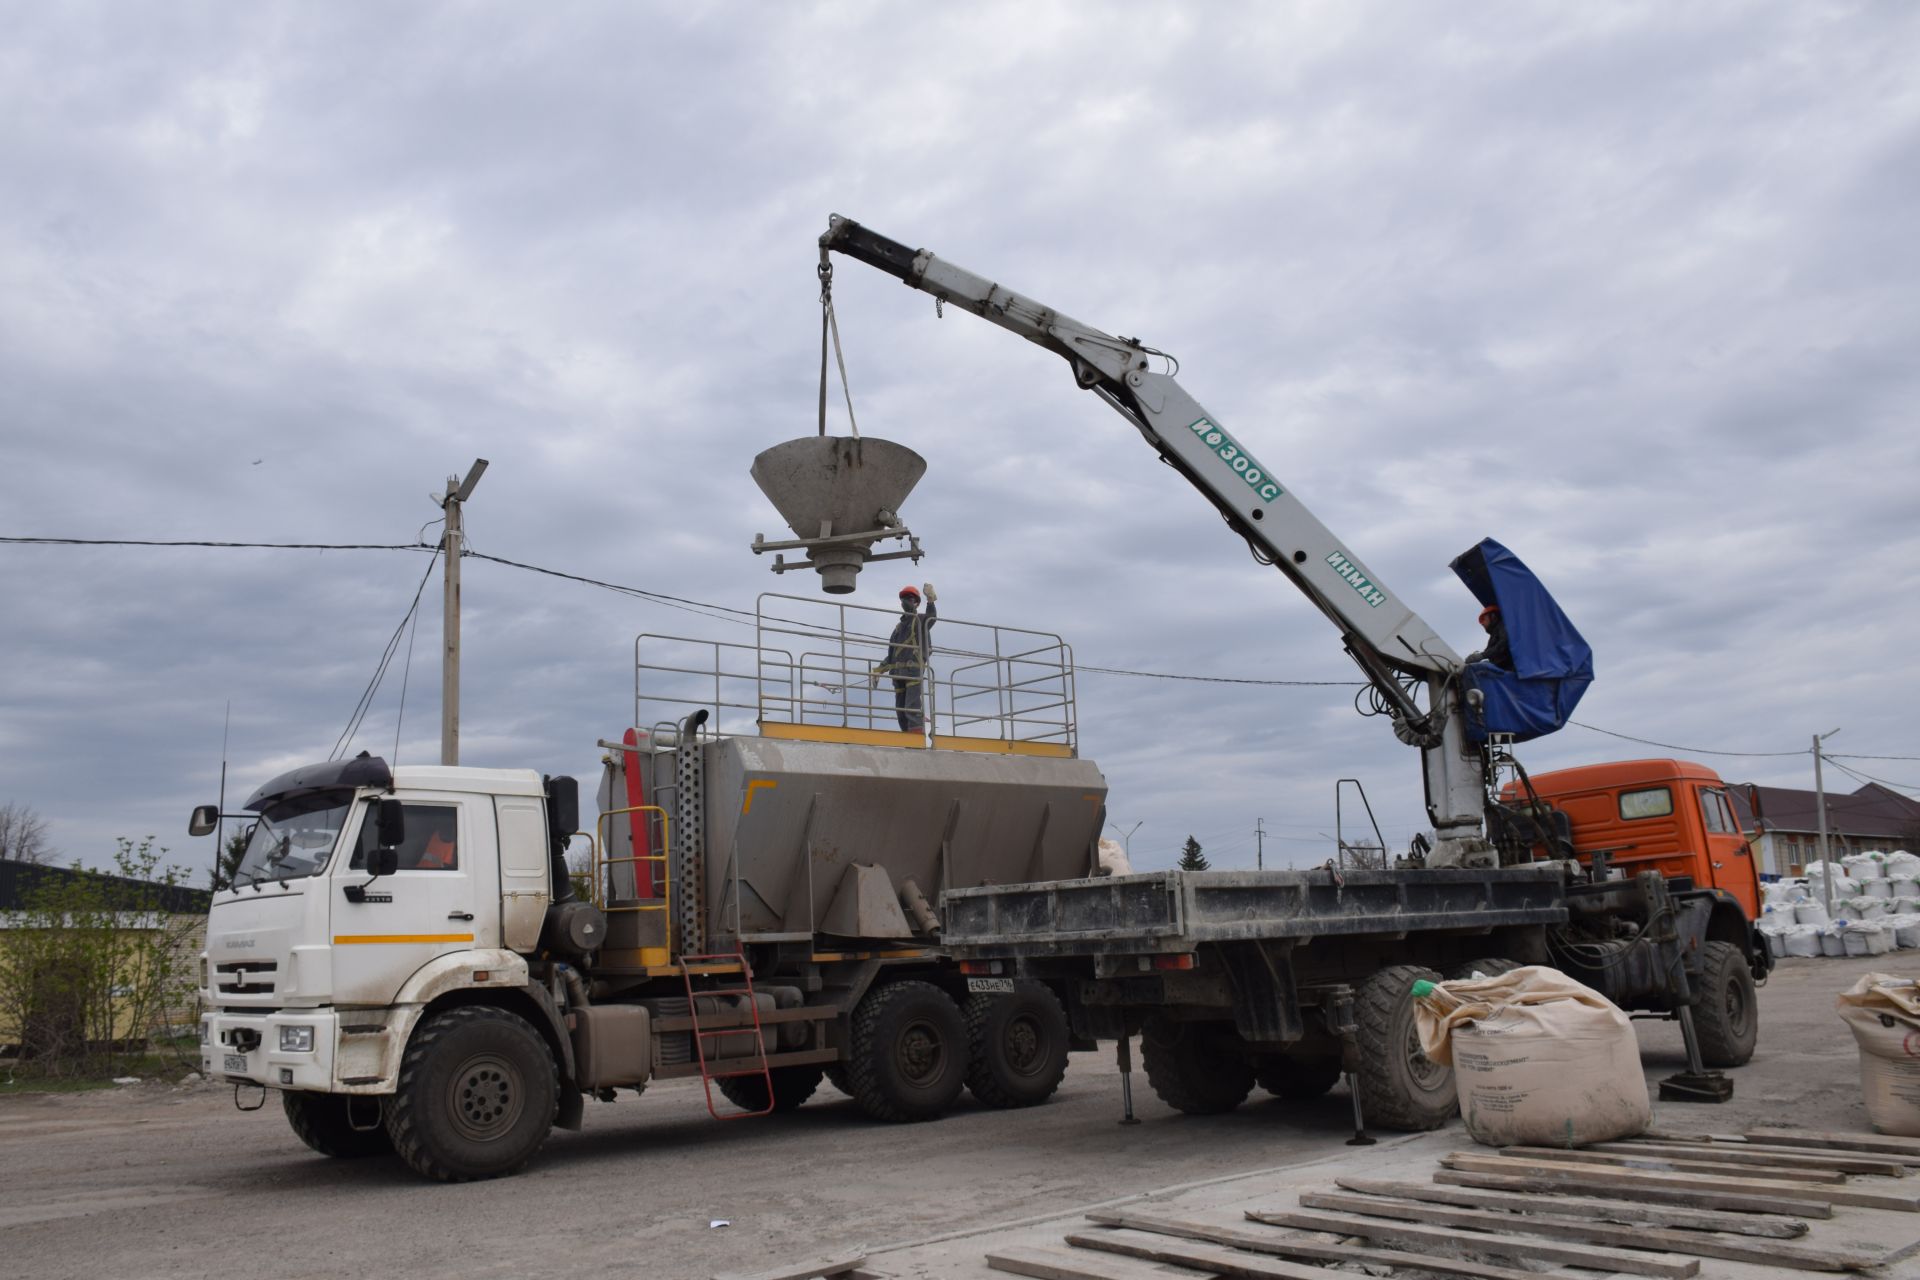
[
  {"x": 1487, "y": 968},
  {"x": 909, "y": 1055},
  {"x": 1016, "y": 1045},
  {"x": 1190, "y": 1070},
  {"x": 791, "y": 1087},
  {"x": 1400, "y": 1087},
  {"x": 1297, "y": 1079},
  {"x": 477, "y": 1095},
  {"x": 320, "y": 1121},
  {"x": 1727, "y": 1018}
]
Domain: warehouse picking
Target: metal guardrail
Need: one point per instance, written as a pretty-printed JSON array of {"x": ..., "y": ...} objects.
[{"x": 981, "y": 680}]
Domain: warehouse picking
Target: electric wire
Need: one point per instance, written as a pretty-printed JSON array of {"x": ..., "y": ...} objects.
[
  {"x": 726, "y": 613},
  {"x": 373, "y": 685},
  {"x": 1867, "y": 777}
]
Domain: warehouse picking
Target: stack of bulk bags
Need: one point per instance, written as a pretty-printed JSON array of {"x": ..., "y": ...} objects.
[
  {"x": 1538, "y": 1059},
  {"x": 1866, "y": 938},
  {"x": 1884, "y": 1014}
]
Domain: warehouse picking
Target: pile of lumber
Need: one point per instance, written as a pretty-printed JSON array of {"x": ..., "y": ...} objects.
[{"x": 1651, "y": 1206}]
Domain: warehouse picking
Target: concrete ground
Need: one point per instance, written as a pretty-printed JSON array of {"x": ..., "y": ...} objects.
[{"x": 157, "y": 1180}]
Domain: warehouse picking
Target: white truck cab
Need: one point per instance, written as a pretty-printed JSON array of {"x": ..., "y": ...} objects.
[{"x": 367, "y": 895}]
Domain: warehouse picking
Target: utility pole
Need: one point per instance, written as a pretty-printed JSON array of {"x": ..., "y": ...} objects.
[
  {"x": 458, "y": 491},
  {"x": 1259, "y": 844},
  {"x": 1820, "y": 806}
]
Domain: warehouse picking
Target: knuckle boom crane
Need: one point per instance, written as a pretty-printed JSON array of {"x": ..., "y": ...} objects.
[{"x": 1415, "y": 675}]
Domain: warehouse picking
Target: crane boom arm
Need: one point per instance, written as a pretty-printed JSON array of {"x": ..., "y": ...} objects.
[{"x": 1386, "y": 637}]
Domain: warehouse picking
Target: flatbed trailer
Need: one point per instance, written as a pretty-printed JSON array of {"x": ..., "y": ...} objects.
[{"x": 1292, "y": 979}]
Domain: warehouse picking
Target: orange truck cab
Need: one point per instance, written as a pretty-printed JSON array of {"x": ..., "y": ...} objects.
[{"x": 1670, "y": 816}]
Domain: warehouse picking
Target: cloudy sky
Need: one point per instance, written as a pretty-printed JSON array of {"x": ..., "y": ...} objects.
[{"x": 1630, "y": 287}]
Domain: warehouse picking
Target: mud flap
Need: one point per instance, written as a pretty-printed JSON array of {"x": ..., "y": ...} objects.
[{"x": 573, "y": 1106}]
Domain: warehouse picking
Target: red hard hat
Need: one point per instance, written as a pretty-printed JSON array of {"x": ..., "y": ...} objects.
[
  {"x": 1488, "y": 612},
  {"x": 909, "y": 591}
]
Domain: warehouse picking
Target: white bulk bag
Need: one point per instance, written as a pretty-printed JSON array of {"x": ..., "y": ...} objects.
[
  {"x": 1877, "y": 888},
  {"x": 1809, "y": 913},
  {"x": 1883, "y": 1012},
  {"x": 1865, "y": 908},
  {"x": 1902, "y": 865},
  {"x": 1802, "y": 940},
  {"x": 1867, "y": 939},
  {"x": 1903, "y": 887},
  {"x": 1865, "y": 866},
  {"x": 1538, "y": 1059},
  {"x": 1906, "y": 930},
  {"x": 1831, "y": 943}
]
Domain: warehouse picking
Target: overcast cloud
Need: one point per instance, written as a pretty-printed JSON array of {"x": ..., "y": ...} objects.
[{"x": 1629, "y": 287}]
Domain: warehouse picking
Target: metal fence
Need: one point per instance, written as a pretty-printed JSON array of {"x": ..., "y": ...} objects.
[{"x": 824, "y": 662}]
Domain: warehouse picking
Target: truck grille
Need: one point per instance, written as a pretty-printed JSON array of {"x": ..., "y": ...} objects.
[{"x": 245, "y": 978}]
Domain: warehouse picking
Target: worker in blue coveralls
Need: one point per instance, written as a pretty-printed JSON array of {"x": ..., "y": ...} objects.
[{"x": 906, "y": 660}]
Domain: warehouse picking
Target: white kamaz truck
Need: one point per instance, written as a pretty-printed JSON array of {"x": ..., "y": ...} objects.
[{"x": 786, "y": 886}]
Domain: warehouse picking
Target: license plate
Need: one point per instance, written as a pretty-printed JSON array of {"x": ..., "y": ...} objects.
[
  {"x": 235, "y": 1063},
  {"x": 990, "y": 986}
]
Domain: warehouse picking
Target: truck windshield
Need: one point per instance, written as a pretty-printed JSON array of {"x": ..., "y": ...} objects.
[{"x": 294, "y": 839}]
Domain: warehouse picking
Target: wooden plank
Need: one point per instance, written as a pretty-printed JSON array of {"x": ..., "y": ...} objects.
[
  {"x": 1218, "y": 1261},
  {"x": 1697, "y": 1243},
  {"x": 1878, "y": 1143},
  {"x": 1583, "y": 1209},
  {"x": 1134, "y": 1222},
  {"x": 1664, "y": 1266},
  {"x": 837, "y": 1265},
  {"x": 1747, "y": 1153},
  {"x": 1669, "y": 1164},
  {"x": 1078, "y": 1264},
  {"x": 1594, "y": 1175},
  {"x": 1724, "y": 1202}
]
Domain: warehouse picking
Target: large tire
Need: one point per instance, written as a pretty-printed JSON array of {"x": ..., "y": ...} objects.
[
  {"x": 1016, "y": 1045},
  {"x": 1726, "y": 1018},
  {"x": 1191, "y": 1070},
  {"x": 1489, "y": 967},
  {"x": 476, "y": 1097},
  {"x": 320, "y": 1120},
  {"x": 1399, "y": 1087},
  {"x": 1298, "y": 1079},
  {"x": 909, "y": 1052},
  {"x": 791, "y": 1087}
]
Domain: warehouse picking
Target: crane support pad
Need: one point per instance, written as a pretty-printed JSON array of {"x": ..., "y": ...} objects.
[{"x": 1172, "y": 911}]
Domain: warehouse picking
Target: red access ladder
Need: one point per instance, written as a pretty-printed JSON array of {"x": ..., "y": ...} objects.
[{"x": 690, "y": 967}]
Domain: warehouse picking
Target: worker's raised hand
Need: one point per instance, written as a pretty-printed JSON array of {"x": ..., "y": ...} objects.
[{"x": 927, "y": 587}]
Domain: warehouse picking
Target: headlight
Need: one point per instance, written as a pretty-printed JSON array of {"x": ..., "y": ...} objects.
[{"x": 296, "y": 1039}]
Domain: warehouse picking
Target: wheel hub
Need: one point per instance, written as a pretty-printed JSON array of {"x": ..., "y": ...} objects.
[
  {"x": 486, "y": 1097},
  {"x": 919, "y": 1054},
  {"x": 1023, "y": 1045}
]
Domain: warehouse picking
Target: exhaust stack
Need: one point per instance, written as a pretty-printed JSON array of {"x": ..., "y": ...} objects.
[{"x": 839, "y": 495}]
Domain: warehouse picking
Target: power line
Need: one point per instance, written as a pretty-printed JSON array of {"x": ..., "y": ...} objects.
[
  {"x": 1867, "y": 777},
  {"x": 373, "y": 685},
  {"x": 725, "y": 613},
  {"x": 185, "y": 542},
  {"x": 1692, "y": 751}
]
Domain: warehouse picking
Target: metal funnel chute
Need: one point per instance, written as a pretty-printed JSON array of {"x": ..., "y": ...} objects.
[{"x": 839, "y": 495}]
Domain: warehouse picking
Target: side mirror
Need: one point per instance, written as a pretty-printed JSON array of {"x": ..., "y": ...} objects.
[
  {"x": 563, "y": 807},
  {"x": 390, "y": 823},
  {"x": 383, "y": 862},
  {"x": 205, "y": 818}
]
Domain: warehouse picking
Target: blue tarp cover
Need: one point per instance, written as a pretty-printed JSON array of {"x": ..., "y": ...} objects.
[{"x": 1552, "y": 663}]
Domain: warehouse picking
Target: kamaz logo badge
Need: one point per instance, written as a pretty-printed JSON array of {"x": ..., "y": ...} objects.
[
  {"x": 1239, "y": 459},
  {"x": 1359, "y": 581}
]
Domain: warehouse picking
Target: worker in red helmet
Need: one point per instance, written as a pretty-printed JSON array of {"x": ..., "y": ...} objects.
[
  {"x": 1498, "y": 651},
  {"x": 906, "y": 661}
]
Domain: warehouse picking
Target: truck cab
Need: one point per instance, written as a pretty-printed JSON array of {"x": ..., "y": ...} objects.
[
  {"x": 316, "y": 968},
  {"x": 1669, "y": 816}
]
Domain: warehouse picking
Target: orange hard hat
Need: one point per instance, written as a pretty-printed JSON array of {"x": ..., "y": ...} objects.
[
  {"x": 1488, "y": 612},
  {"x": 909, "y": 591}
]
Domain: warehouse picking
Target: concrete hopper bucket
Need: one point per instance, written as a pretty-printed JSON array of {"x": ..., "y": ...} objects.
[{"x": 839, "y": 494}]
